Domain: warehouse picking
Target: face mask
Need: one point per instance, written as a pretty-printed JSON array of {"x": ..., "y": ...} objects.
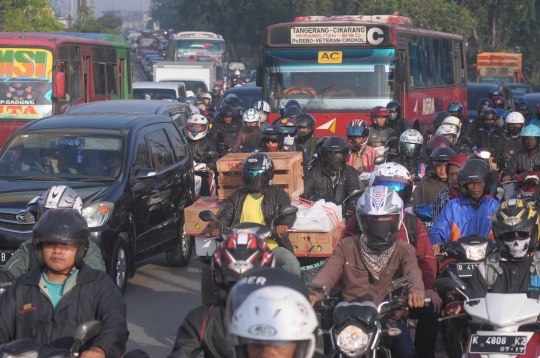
[
  {"x": 250, "y": 128},
  {"x": 333, "y": 163},
  {"x": 288, "y": 141},
  {"x": 517, "y": 248},
  {"x": 514, "y": 130},
  {"x": 488, "y": 125},
  {"x": 393, "y": 116}
]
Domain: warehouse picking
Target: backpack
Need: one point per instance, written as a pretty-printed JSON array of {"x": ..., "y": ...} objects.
[
  {"x": 411, "y": 224},
  {"x": 491, "y": 268}
]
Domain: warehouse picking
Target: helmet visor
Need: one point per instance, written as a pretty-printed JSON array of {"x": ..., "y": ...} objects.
[
  {"x": 357, "y": 131},
  {"x": 378, "y": 229},
  {"x": 411, "y": 149},
  {"x": 289, "y": 130},
  {"x": 196, "y": 128},
  {"x": 403, "y": 187}
]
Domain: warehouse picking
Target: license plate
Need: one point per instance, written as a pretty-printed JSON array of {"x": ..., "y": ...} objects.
[
  {"x": 466, "y": 269},
  {"x": 4, "y": 256},
  {"x": 514, "y": 345},
  {"x": 428, "y": 224}
]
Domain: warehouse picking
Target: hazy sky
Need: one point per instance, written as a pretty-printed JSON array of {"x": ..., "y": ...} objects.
[{"x": 104, "y": 5}]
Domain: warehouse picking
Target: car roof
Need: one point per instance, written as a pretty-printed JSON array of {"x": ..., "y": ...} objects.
[
  {"x": 173, "y": 85},
  {"x": 97, "y": 121},
  {"x": 126, "y": 106},
  {"x": 243, "y": 89},
  {"x": 533, "y": 99}
]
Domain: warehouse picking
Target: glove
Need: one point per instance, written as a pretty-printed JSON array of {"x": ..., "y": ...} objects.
[{"x": 452, "y": 308}]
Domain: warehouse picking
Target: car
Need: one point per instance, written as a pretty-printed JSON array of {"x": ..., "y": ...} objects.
[
  {"x": 133, "y": 173},
  {"x": 523, "y": 87},
  {"x": 475, "y": 92},
  {"x": 158, "y": 90},
  {"x": 249, "y": 94},
  {"x": 533, "y": 99},
  {"x": 179, "y": 112}
]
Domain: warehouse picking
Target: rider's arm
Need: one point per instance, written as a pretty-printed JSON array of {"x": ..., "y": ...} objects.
[
  {"x": 238, "y": 141},
  {"x": 352, "y": 180},
  {"x": 188, "y": 340},
  {"x": 18, "y": 264},
  {"x": 409, "y": 266},
  {"x": 332, "y": 270},
  {"x": 425, "y": 256},
  {"x": 309, "y": 185},
  {"x": 513, "y": 166},
  {"x": 226, "y": 215},
  {"x": 284, "y": 200},
  {"x": 441, "y": 231},
  {"x": 94, "y": 257}
]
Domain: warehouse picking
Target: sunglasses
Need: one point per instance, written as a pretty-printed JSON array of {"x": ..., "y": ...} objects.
[
  {"x": 511, "y": 236},
  {"x": 266, "y": 141}
]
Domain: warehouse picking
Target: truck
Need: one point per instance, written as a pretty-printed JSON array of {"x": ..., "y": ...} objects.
[
  {"x": 192, "y": 74},
  {"x": 499, "y": 67}
]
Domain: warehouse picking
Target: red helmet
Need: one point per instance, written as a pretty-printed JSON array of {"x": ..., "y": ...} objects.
[
  {"x": 498, "y": 102},
  {"x": 458, "y": 160},
  {"x": 288, "y": 126},
  {"x": 236, "y": 255},
  {"x": 437, "y": 141},
  {"x": 379, "y": 111}
]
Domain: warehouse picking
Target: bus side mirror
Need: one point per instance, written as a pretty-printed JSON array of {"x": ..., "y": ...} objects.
[
  {"x": 59, "y": 86},
  {"x": 259, "y": 77},
  {"x": 401, "y": 72}
]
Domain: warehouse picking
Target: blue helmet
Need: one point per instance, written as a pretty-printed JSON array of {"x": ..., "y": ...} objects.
[
  {"x": 530, "y": 131},
  {"x": 501, "y": 112}
]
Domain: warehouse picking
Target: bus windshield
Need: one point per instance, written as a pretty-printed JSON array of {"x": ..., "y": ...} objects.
[
  {"x": 209, "y": 48},
  {"x": 25, "y": 83},
  {"x": 340, "y": 80}
]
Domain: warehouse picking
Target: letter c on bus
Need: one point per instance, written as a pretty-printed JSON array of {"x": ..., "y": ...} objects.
[{"x": 371, "y": 38}]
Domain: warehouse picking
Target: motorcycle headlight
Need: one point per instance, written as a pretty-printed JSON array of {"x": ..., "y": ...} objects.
[
  {"x": 475, "y": 252},
  {"x": 352, "y": 341},
  {"x": 26, "y": 355},
  {"x": 97, "y": 214}
]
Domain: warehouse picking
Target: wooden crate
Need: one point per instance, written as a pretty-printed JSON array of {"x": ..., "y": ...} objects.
[
  {"x": 288, "y": 173},
  {"x": 194, "y": 225},
  {"x": 316, "y": 244}
]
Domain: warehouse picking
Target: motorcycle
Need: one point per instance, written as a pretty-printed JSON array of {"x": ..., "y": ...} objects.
[
  {"x": 424, "y": 212},
  {"x": 361, "y": 329},
  {"x": 526, "y": 184},
  {"x": 205, "y": 182},
  {"x": 502, "y": 316},
  {"x": 466, "y": 253}
]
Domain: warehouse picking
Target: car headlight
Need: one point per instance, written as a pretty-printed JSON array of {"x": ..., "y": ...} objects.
[
  {"x": 97, "y": 214},
  {"x": 475, "y": 252},
  {"x": 352, "y": 341}
]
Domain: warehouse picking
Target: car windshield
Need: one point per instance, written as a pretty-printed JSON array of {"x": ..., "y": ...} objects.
[
  {"x": 344, "y": 80},
  {"x": 525, "y": 89},
  {"x": 154, "y": 93},
  {"x": 249, "y": 98},
  {"x": 65, "y": 156}
]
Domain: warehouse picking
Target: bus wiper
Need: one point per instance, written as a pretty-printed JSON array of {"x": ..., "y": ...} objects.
[{"x": 316, "y": 95}]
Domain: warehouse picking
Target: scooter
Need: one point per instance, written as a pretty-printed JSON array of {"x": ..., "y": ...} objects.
[
  {"x": 361, "y": 329},
  {"x": 503, "y": 315},
  {"x": 424, "y": 212},
  {"x": 526, "y": 184}
]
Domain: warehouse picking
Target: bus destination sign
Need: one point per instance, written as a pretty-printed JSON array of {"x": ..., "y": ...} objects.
[{"x": 312, "y": 35}]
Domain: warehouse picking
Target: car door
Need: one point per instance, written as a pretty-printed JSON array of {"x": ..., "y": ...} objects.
[{"x": 179, "y": 115}]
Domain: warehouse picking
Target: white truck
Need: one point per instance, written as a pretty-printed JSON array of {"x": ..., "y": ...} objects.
[{"x": 192, "y": 74}]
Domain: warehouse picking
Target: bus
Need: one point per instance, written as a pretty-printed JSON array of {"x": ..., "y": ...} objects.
[
  {"x": 42, "y": 74},
  {"x": 340, "y": 67},
  {"x": 196, "y": 46}
]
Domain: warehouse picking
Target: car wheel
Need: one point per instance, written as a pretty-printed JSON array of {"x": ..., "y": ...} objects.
[
  {"x": 180, "y": 255},
  {"x": 119, "y": 263},
  {"x": 208, "y": 294}
]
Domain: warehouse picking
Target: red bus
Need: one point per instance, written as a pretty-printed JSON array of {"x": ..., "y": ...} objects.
[
  {"x": 42, "y": 74},
  {"x": 340, "y": 67},
  {"x": 146, "y": 41}
]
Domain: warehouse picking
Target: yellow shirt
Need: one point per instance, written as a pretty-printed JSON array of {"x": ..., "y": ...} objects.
[{"x": 252, "y": 213}]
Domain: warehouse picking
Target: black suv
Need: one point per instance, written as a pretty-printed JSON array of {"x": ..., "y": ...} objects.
[{"x": 132, "y": 171}]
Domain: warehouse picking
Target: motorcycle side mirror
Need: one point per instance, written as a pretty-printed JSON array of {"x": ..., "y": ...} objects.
[
  {"x": 353, "y": 194},
  {"x": 286, "y": 210},
  {"x": 401, "y": 282},
  {"x": 207, "y": 215},
  {"x": 212, "y": 155},
  {"x": 445, "y": 284},
  {"x": 87, "y": 330},
  {"x": 532, "y": 181},
  {"x": 379, "y": 160}
]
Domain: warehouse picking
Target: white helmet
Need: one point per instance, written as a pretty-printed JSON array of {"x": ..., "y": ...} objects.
[
  {"x": 262, "y": 106},
  {"x": 454, "y": 121},
  {"x": 515, "y": 118},
  {"x": 190, "y": 94},
  {"x": 207, "y": 95},
  {"x": 275, "y": 314},
  {"x": 390, "y": 170},
  {"x": 411, "y": 136},
  {"x": 251, "y": 115},
  {"x": 394, "y": 176},
  {"x": 410, "y": 143},
  {"x": 196, "y": 127},
  {"x": 448, "y": 130},
  {"x": 60, "y": 196}
]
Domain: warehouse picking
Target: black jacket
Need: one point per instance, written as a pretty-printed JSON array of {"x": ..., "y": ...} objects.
[
  {"x": 523, "y": 161},
  {"x": 274, "y": 199},
  {"x": 483, "y": 139},
  {"x": 222, "y": 132},
  {"x": 427, "y": 190},
  {"x": 200, "y": 148},
  {"x": 213, "y": 341},
  {"x": 317, "y": 182},
  {"x": 505, "y": 148},
  {"x": 399, "y": 126},
  {"x": 309, "y": 146},
  {"x": 27, "y": 312},
  {"x": 386, "y": 133},
  {"x": 410, "y": 163}
]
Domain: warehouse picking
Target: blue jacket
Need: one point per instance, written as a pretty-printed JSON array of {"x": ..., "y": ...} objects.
[{"x": 460, "y": 218}]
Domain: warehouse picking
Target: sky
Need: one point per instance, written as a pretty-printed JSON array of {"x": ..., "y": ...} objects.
[{"x": 104, "y": 5}]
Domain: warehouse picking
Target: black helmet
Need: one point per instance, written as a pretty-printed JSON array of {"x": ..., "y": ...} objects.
[
  {"x": 226, "y": 111},
  {"x": 320, "y": 153},
  {"x": 439, "y": 118},
  {"x": 494, "y": 92},
  {"x": 291, "y": 112},
  {"x": 474, "y": 171},
  {"x": 331, "y": 148},
  {"x": 62, "y": 225},
  {"x": 483, "y": 103},
  {"x": 441, "y": 156},
  {"x": 216, "y": 89},
  {"x": 235, "y": 102},
  {"x": 522, "y": 106},
  {"x": 273, "y": 133},
  {"x": 258, "y": 171},
  {"x": 292, "y": 103},
  {"x": 488, "y": 114},
  {"x": 305, "y": 120},
  {"x": 395, "y": 110},
  {"x": 515, "y": 227}
]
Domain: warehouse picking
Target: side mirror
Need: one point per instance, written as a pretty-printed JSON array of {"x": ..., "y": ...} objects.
[
  {"x": 465, "y": 139},
  {"x": 259, "y": 77},
  {"x": 212, "y": 155},
  {"x": 207, "y": 215},
  {"x": 445, "y": 284},
  {"x": 288, "y": 210},
  {"x": 87, "y": 330},
  {"x": 379, "y": 160},
  {"x": 146, "y": 173},
  {"x": 59, "y": 87}
]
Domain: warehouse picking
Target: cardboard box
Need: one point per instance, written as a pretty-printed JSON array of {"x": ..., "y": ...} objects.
[
  {"x": 194, "y": 225},
  {"x": 316, "y": 244}
]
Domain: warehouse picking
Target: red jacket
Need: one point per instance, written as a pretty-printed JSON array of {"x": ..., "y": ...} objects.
[{"x": 424, "y": 250}]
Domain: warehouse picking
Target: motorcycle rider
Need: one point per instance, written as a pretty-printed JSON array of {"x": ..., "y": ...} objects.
[
  {"x": 206, "y": 99},
  {"x": 431, "y": 185},
  {"x": 452, "y": 192},
  {"x": 410, "y": 146},
  {"x": 305, "y": 140},
  {"x": 396, "y": 121},
  {"x": 461, "y": 143},
  {"x": 225, "y": 127},
  {"x": 449, "y": 131},
  {"x": 250, "y": 134},
  {"x": 510, "y": 142},
  {"x": 289, "y": 128},
  {"x": 482, "y": 104},
  {"x": 368, "y": 262},
  {"x": 487, "y": 134},
  {"x": 196, "y": 130},
  {"x": 264, "y": 110},
  {"x": 528, "y": 157},
  {"x": 272, "y": 139},
  {"x": 498, "y": 102},
  {"x": 216, "y": 94},
  {"x": 470, "y": 213},
  {"x": 50, "y": 301},
  {"x": 235, "y": 103},
  {"x": 380, "y": 118},
  {"x": 334, "y": 177},
  {"x": 203, "y": 328},
  {"x": 24, "y": 259},
  {"x": 523, "y": 107},
  {"x": 361, "y": 156},
  {"x": 259, "y": 201},
  {"x": 494, "y": 93},
  {"x": 456, "y": 109}
]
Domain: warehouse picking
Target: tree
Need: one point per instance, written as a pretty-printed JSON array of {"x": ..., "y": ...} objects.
[
  {"x": 28, "y": 15},
  {"x": 87, "y": 23},
  {"x": 110, "y": 21}
]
